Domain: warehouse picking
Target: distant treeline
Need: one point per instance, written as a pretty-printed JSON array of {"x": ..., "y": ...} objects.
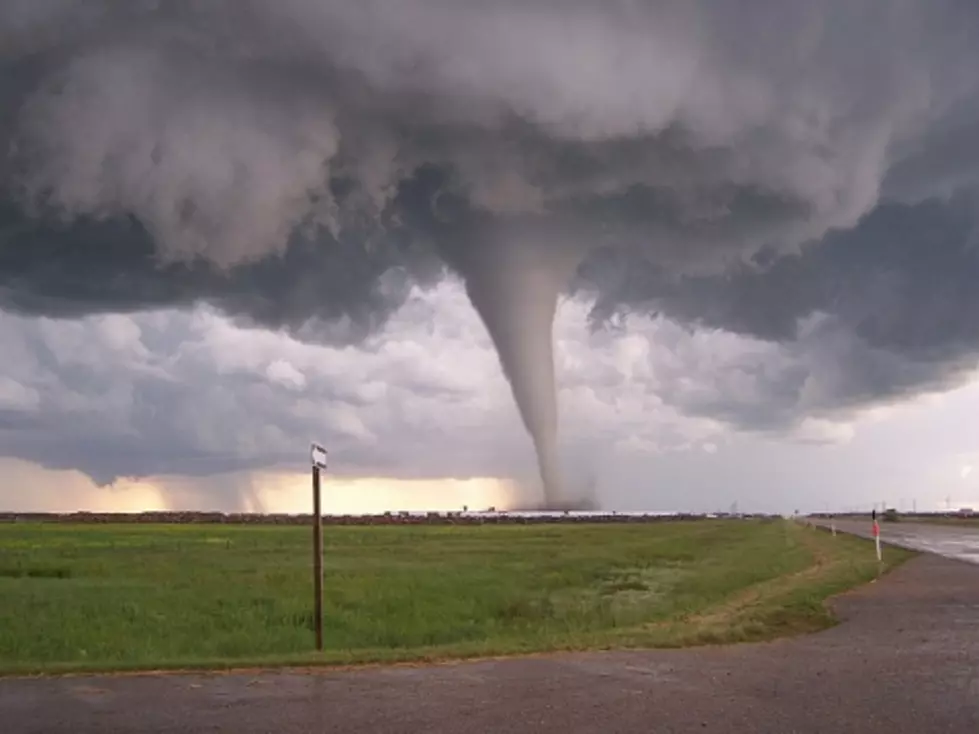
[{"x": 431, "y": 518}]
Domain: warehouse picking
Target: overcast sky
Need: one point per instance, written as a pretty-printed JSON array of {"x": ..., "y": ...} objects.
[{"x": 227, "y": 229}]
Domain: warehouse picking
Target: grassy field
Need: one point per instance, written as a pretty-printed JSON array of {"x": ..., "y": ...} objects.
[{"x": 90, "y": 597}]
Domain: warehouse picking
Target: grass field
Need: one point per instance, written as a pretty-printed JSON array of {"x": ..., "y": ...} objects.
[{"x": 90, "y": 597}]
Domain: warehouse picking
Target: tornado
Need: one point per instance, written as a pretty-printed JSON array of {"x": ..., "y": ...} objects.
[{"x": 514, "y": 285}]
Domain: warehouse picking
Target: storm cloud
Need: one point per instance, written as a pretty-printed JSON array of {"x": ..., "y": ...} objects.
[{"x": 803, "y": 174}]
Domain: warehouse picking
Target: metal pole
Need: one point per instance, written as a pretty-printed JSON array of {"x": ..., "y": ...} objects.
[{"x": 317, "y": 560}]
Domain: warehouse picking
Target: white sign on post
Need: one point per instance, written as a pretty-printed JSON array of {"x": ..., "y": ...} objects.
[{"x": 317, "y": 455}]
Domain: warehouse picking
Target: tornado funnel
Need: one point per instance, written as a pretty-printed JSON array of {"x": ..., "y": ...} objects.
[{"x": 514, "y": 287}]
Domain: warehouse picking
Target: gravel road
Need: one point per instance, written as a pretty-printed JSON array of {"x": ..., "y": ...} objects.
[{"x": 952, "y": 541}]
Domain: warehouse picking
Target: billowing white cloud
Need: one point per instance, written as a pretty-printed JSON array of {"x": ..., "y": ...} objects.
[{"x": 191, "y": 393}]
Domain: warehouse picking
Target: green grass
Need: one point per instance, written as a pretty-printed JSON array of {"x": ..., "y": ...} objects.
[{"x": 90, "y": 597}]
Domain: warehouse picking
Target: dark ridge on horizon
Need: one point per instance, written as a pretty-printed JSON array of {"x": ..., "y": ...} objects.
[{"x": 391, "y": 518}]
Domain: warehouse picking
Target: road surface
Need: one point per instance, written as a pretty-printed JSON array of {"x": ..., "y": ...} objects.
[
  {"x": 905, "y": 661},
  {"x": 953, "y": 541}
]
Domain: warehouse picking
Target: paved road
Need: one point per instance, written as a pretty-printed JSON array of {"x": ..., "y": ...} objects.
[
  {"x": 906, "y": 661},
  {"x": 953, "y": 541}
]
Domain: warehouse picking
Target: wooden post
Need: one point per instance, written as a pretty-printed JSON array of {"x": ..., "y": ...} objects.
[{"x": 317, "y": 560}]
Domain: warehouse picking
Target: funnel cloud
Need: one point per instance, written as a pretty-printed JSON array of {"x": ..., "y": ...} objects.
[
  {"x": 302, "y": 165},
  {"x": 515, "y": 286}
]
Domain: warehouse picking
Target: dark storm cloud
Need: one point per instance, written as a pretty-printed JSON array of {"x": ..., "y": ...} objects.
[
  {"x": 894, "y": 299},
  {"x": 327, "y": 288},
  {"x": 225, "y": 131},
  {"x": 300, "y": 163}
]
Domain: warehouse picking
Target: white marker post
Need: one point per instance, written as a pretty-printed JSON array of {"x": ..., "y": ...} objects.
[
  {"x": 876, "y": 531},
  {"x": 317, "y": 455}
]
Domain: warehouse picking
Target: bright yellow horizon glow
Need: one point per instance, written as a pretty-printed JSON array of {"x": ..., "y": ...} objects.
[
  {"x": 373, "y": 495},
  {"x": 31, "y": 488}
]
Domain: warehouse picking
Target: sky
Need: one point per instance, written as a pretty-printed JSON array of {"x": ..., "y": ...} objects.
[{"x": 644, "y": 254}]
